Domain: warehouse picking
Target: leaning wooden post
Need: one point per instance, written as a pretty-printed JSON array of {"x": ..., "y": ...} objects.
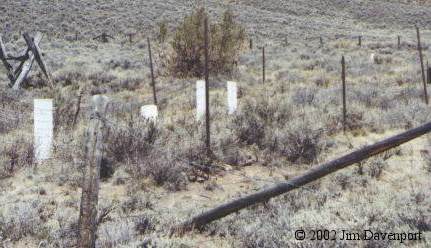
[
  {"x": 90, "y": 186},
  {"x": 422, "y": 64},
  {"x": 311, "y": 175},
  {"x": 359, "y": 40},
  {"x": 34, "y": 47},
  {"x": 263, "y": 64},
  {"x": 321, "y": 41},
  {"x": 251, "y": 44},
  {"x": 153, "y": 81},
  {"x": 24, "y": 68},
  {"x": 343, "y": 80}
]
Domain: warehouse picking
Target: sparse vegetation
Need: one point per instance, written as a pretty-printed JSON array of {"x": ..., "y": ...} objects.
[{"x": 155, "y": 175}]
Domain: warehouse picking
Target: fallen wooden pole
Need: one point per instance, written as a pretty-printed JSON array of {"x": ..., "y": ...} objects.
[{"x": 296, "y": 182}]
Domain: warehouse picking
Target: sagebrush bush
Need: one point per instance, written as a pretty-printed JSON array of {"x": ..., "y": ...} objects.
[
  {"x": 301, "y": 145},
  {"x": 226, "y": 41},
  {"x": 131, "y": 141},
  {"x": 17, "y": 154},
  {"x": 20, "y": 220}
]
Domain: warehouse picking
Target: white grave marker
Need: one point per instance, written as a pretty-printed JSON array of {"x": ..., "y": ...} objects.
[
  {"x": 232, "y": 101},
  {"x": 43, "y": 128},
  {"x": 200, "y": 98},
  {"x": 100, "y": 102},
  {"x": 149, "y": 112}
]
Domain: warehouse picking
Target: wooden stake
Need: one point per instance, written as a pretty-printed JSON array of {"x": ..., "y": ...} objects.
[
  {"x": 263, "y": 64},
  {"x": 313, "y": 174},
  {"x": 90, "y": 186},
  {"x": 422, "y": 65},
  {"x": 429, "y": 75},
  {"x": 131, "y": 39},
  {"x": 343, "y": 80},
  {"x": 321, "y": 41},
  {"x": 78, "y": 107},
  {"x": 251, "y": 44},
  {"x": 207, "y": 97},
  {"x": 359, "y": 40},
  {"x": 399, "y": 42},
  {"x": 153, "y": 81}
]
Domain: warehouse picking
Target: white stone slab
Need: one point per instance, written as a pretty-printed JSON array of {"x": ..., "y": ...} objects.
[
  {"x": 200, "y": 99},
  {"x": 149, "y": 112},
  {"x": 232, "y": 97},
  {"x": 43, "y": 128}
]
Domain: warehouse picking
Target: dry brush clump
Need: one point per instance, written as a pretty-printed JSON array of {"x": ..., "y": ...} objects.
[
  {"x": 275, "y": 127},
  {"x": 16, "y": 154},
  {"x": 21, "y": 220},
  {"x": 143, "y": 147}
]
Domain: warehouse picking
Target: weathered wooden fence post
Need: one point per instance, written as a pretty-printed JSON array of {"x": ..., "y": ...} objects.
[
  {"x": 321, "y": 41},
  {"x": 343, "y": 80},
  {"x": 429, "y": 75},
  {"x": 153, "y": 81},
  {"x": 78, "y": 107},
  {"x": 399, "y": 42},
  {"x": 90, "y": 185},
  {"x": 359, "y": 40},
  {"x": 207, "y": 97},
  {"x": 263, "y": 64},
  {"x": 422, "y": 65},
  {"x": 251, "y": 44}
]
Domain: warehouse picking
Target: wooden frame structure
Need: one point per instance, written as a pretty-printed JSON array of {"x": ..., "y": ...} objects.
[{"x": 18, "y": 73}]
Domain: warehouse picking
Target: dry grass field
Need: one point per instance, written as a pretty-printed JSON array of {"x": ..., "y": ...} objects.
[{"x": 289, "y": 124}]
